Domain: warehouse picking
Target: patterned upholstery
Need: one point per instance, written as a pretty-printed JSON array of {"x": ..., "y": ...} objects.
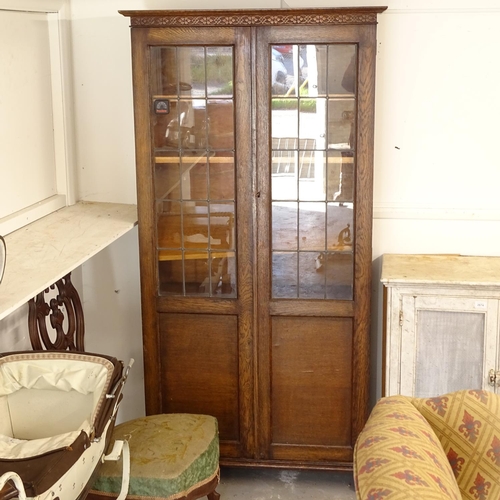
[
  {"x": 171, "y": 456},
  {"x": 398, "y": 456},
  {"x": 467, "y": 424},
  {"x": 439, "y": 448}
]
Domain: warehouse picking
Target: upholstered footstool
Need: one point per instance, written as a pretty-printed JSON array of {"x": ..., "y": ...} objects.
[{"x": 172, "y": 457}]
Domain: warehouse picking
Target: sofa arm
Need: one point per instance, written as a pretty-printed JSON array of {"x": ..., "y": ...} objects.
[
  {"x": 467, "y": 423},
  {"x": 397, "y": 455}
]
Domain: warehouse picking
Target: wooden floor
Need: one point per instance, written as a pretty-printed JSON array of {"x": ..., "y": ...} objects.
[{"x": 274, "y": 484}]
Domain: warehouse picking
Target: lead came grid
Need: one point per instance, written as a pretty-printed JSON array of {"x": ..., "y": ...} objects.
[
  {"x": 194, "y": 170},
  {"x": 313, "y": 109}
]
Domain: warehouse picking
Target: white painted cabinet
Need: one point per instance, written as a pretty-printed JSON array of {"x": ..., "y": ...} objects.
[{"x": 442, "y": 324}]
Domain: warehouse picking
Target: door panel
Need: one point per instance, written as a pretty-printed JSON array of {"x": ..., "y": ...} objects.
[
  {"x": 200, "y": 367},
  {"x": 455, "y": 333},
  {"x": 311, "y": 381}
]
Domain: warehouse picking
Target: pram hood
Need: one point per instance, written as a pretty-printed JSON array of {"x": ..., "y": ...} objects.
[{"x": 52, "y": 405}]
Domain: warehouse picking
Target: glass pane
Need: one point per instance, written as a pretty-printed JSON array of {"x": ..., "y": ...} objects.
[
  {"x": 316, "y": 71},
  {"x": 338, "y": 268},
  {"x": 284, "y": 175},
  {"x": 167, "y": 177},
  {"x": 194, "y": 176},
  {"x": 312, "y": 123},
  {"x": 169, "y": 225},
  {"x": 340, "y": 217},
  {"x": 191, "y": 64},
  {"x": 196, "y": 273},
  {"x": 165, "y": 70},
  {"x": 166, "y": 124},
  {"x": 342, "y": 69},
  {"x": 170, "y": 270},
  {"x": 220, "y": 71},
  {"x": 311, "y": 282},
  {"x": 312, "y": 222},
  {"x": 341, "y": 125},
  {"x": 226, "y": 287},
  {"x": 222, "y": 226},
  {"x": 284, "y": 278},
  {"x": 221, "y": 124},
  {"x": 284, "y": 123},
  {"x": 179, "y": 124},
  {"x": 190, "y": 126},
  {"x": 193, "y": 122},
  {"x": 284, "y": 226},
  {"x": 195, "y": 225},
  {"x": 221, "y": 181},
  {"x": 221, "y": 278},
  {"x": 281, "y": 64},
  {"x": 312, "y": 175},
  {"x": 194, "y": 130},
  {"x": 340, "y": 175}
]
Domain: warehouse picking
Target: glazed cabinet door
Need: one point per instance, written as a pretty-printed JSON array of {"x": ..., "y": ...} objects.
[
  {"x": 441, "y": 343},
  {"x": 192, "y": 100},
  {"x": 314, "y": 177}
]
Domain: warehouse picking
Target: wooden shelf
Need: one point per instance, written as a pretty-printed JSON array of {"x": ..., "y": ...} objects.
[
  {"x": 163, "y": 257},
  {"x": 46, "y": 250}
]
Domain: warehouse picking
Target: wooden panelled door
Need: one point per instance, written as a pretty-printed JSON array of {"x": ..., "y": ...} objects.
[
  {"x": 254, "y": 172},
  {"x": 196, "y": 191},
  {"x": 314, "y": 259}
]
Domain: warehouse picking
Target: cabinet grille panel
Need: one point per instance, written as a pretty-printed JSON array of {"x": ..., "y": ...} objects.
[{"x": 450, "y": 351}]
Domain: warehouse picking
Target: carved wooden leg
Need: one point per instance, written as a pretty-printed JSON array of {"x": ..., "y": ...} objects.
[{"x": 213, "y": 496}]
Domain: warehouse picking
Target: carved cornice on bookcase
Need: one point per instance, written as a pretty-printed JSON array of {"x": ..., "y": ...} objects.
[{"x": 270, "y": 17}]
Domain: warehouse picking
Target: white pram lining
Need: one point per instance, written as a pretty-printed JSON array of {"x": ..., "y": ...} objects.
[{"x": 57, "y": 413}]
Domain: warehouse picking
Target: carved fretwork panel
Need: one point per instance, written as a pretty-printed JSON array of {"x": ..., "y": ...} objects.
[
  {"x": 63, "y": 312},
  {"x": 255, "y": 17}
]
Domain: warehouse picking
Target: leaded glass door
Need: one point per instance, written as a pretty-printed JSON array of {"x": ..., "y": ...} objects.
[
  {"x": 314, "y": 187},
  {"x": 194, "y": 181}
]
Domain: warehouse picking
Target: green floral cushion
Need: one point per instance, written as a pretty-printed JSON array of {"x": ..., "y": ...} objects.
[
  {"x": 398, "y": 456},
  {"x": 170, "y": 454},
  {"x": 467, "y": 424}
]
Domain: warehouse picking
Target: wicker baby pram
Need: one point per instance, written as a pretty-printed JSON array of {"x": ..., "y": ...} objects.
[{"x": 57, "y": 414}]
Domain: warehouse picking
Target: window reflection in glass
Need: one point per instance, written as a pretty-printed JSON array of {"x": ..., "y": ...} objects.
[{"x": 313, "y": 129}]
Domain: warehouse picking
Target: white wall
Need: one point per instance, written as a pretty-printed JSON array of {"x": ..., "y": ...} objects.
[
  {"x": 436, "y": 160},
  {"x": 436, "y": 150},
  {"x": 112, "y": 308}
]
